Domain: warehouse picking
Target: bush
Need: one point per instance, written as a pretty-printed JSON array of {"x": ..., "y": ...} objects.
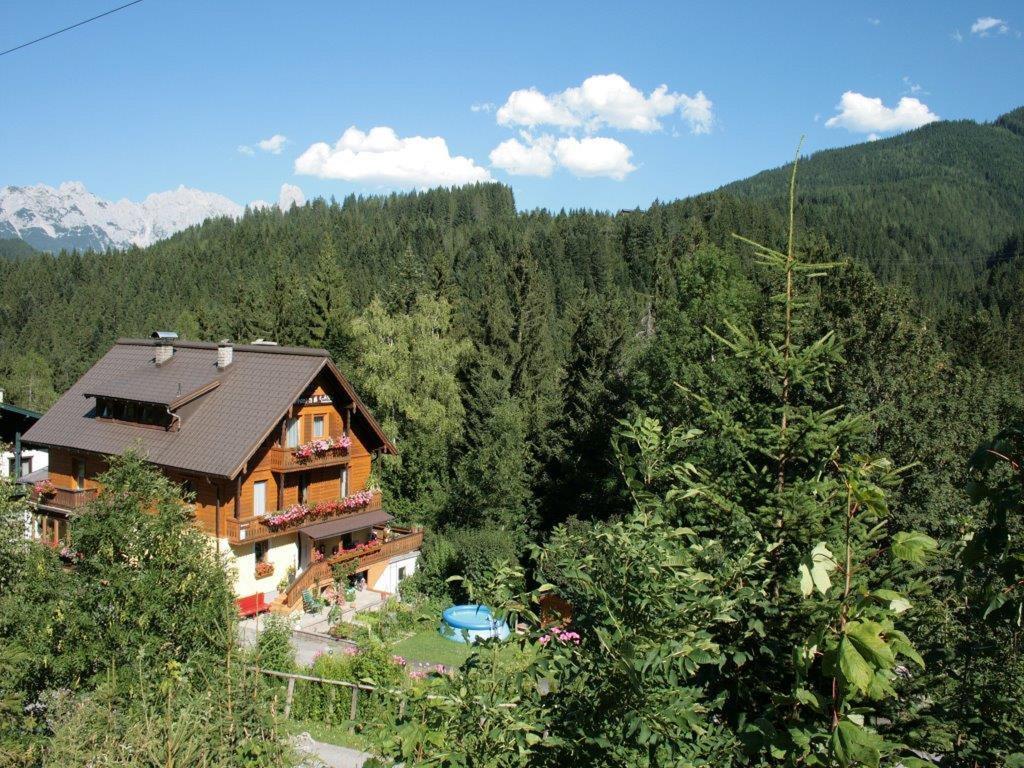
[
  {"x": 374, "y": 666},
  {"x": 274, "y": 647},
  {"x": 472, "y": 553}
]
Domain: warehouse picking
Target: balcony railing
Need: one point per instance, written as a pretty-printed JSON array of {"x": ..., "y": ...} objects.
[
  {"x": 402, "y": 542},
  {"x": 284, "y": 460},
  {"x": 65, "y": 498},
  {"x": 248, "y": 529}
]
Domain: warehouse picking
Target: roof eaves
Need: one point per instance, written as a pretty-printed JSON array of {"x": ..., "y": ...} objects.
[
  {"x": 389, "y": 447},
  {"x": 20, "y": 411}
]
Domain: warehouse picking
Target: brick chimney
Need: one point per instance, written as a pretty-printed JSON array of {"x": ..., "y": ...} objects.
[
  {"x": 225, "y": 354},
  {"x": 164, "y": 342}
]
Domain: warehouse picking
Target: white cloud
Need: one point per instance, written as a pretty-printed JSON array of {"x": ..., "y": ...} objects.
[
  {"x": 529, "y": 157},
  {"x": 863, "y": 114},
  {"x": 485, "y": 106},
  {"x": 874, "y": 22},
  {"x": 698, "y": 112},
  {"x": 595, "y": 156},
  {"x": 605, "y": 100},
  {"x": 380, "y": 157},
  {"x": 912, "y": 87},
  {"x": 290, "y": 194},
  {"x": 873, "y": 137},
  {"x": 244, "y": 149},
  {"x": 530, "y": 107},
  {"x": 957, "y": 36},
  {"x": 274, "y": 144},
  {"x": 258, "y": 204},
  {"x": 987, "y": 24},
  {"x": 540, "y": 155}
]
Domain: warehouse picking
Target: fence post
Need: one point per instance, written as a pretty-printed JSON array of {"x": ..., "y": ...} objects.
[
  {"x": 401, "y": 708},
  {"x": 355, "y": 704},
  {"x": 288, "y": 697}
]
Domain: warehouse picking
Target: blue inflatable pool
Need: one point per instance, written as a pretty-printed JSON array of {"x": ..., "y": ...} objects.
[{"x": 469, "y": 623}]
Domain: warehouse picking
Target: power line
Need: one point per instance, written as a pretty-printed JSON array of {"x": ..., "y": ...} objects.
[{"x": 59, "y": 31}]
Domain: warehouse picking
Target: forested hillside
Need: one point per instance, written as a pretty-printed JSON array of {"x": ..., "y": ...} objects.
[
  {"x": 627, "y": 375},
  {"x": 930, "y": 207}
]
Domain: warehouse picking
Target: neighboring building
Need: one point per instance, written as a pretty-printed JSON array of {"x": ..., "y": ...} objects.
[
  {"x": 16, "y": 460},
  {"x": 273, "y": 442}
]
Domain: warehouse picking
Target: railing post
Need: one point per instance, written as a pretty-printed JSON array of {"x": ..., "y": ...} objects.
[{"x": 288, "y": 698}]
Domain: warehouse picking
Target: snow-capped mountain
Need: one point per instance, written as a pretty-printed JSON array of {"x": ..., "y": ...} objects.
[{"x": 72, "y": 217}]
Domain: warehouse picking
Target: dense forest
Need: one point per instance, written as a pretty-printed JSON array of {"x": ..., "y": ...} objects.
[{"x": 571, "y": 390}]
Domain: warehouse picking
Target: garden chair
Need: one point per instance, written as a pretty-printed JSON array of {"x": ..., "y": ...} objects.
[{"x": 311, "y": 603}]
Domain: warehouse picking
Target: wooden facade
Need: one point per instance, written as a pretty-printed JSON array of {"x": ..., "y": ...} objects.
[{"x": 217, "y": 500}]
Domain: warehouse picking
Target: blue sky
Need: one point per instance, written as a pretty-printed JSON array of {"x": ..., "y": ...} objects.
[{"x": 176, "y": 92}]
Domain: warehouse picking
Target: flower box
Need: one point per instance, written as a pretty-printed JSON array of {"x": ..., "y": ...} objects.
[
  {"x": 303, "y": 512},
  {"x": 264, "y": 569},
  {"x": 44, "y": 489},
  {"x": 323, "y": 446}
]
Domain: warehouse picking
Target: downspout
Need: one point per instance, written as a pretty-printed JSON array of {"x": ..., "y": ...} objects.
[{"x": 175, "y": 420}]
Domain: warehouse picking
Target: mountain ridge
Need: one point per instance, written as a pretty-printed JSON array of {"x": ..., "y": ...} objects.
[{"x": 71, "y": 217}]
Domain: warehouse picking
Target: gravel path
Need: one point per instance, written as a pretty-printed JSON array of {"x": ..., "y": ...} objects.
[{"x": 328, "y": 755}]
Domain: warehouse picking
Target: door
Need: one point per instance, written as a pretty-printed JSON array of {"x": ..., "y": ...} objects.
[{"x": 259, "y": 497}]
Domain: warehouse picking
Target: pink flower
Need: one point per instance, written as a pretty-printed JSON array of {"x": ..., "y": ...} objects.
[
  {"x": 545, "y": 639},
  {"x": 350, "y": 650},
  {"x": 417, "y": 674},
  {"x": 399, "y": 660}
]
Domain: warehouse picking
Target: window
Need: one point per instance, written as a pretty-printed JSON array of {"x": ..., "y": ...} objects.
[
  {"x": 343, "y": 490},
  {"x": 303, "y": 487},
  {"x": 318, "y": 426},
  {"x": 261, "y": 549},
  {"x": 292, "y": 434},
  {"x": 401, "y": 572},
  {"x": 259, "y": 497},
  {"x": 78, "y": 470},
  {"x": 26, "y": 465}
]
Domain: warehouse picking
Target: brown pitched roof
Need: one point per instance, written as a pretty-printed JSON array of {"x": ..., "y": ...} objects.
[{"x": 229, "y": 413}]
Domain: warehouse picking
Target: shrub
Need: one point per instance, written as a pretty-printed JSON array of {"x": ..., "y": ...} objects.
[
  {"x": 472, "y": 553},
  {"x": 274, "y": 647}
]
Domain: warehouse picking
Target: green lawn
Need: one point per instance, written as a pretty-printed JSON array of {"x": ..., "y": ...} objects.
[{"x": 428, "y": 646}]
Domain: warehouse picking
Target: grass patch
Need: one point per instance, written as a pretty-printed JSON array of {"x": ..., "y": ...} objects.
[{"x": 428, "y": 646}]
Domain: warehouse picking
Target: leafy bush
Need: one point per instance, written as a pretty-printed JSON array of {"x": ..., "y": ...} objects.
[
  {"x": 475, "y": 554},
  {"x": 274, "y": 646}
]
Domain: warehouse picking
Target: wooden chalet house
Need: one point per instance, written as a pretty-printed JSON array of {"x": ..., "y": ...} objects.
[{"x": 272, "y": 441}]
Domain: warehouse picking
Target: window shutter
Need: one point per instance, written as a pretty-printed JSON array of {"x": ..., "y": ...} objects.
[{"x": 307, "y": 428}]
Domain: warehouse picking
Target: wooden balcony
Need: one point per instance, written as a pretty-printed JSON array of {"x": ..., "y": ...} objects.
[
  {"x": 402, "y": 542},
  {"x": 283, "y": 460},
  {"x": 248, "y": 529},
  {"x": 65, "y": 498}
]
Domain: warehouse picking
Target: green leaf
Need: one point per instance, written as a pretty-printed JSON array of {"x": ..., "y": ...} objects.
[
  {"x": 867, "y": 637},
  {"x": 855, "y": 670},
  {"x": 913, "y": 546},
  {"x": 815, "y": 570},
  {"x": 853, "y": 745},
  {"x": 897, "y": 602}
]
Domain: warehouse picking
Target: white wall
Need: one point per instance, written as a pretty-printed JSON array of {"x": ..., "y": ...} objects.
[
  {"x": 40, "y": 460},
  {"x": 388, "y": 580},
  {"x": 283, "y": 552}
]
